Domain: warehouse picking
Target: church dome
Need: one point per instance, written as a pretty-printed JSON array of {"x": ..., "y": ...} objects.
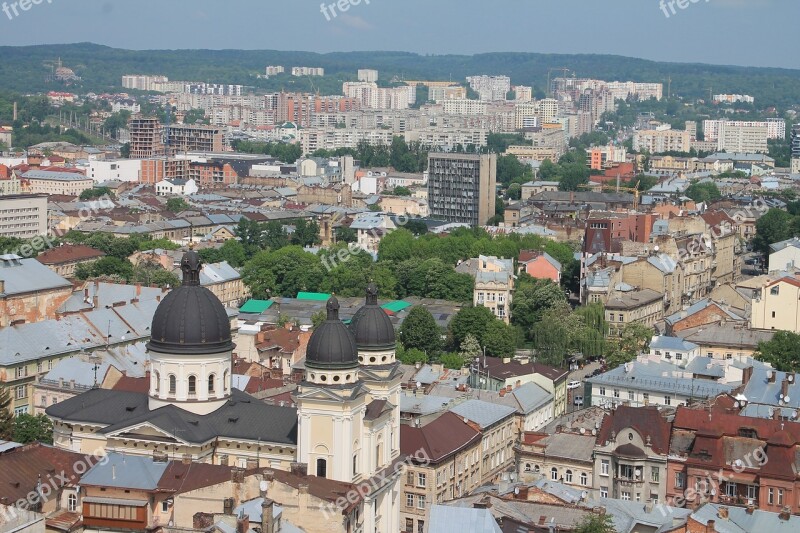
[
  {"x": 190, "y": 320},
  {"x": 371, "y": 325},
  {"x": 332, "y": 345}
]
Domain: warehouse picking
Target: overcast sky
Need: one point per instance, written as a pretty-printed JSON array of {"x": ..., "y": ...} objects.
[{"x": 738, "y": 32}]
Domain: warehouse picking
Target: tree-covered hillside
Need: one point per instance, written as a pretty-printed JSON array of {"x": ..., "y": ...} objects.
[{"x": 25, "y": 69}]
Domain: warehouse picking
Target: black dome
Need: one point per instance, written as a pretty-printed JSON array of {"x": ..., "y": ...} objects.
[
  {"x": 190, "y": 320},
  {"x": 371, "y": 326},
  {"x": 332, "y": 346}
]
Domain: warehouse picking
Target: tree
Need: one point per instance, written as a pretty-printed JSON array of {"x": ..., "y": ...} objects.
[
  {"x": 452, "y": 361},
  {"x": 411, "y": 356},
  {"x": 470, "y": 348},
  {"x": 514, "y": 191},
  {"x": 231, "y": 251},
  {"x": 95, "y": 192},
  {"x": 306, "y": 233},
  {"x": 6, "y": 416},
  {"x": 177, "y": 204},
  {"x": 29, "y": 428},
  {"x": 782, "y": 351},
  {"x": 283, "y": 272},
  {"x": 420, "y": 331},
  {"x": 402, "y": 191},
  {"x": 534, "y": 297},
  {"x": 417, "y": 227},
  {"x": 596, "y": 523},
  {"x": 470, "y": 321},
  {"x": 500, "y": 339},
  {"x": 703, "y": 192},
  {"x": 556, "y": 335},
  {"x": 106, "y": 266},
  {"x": 318, "y": 318},
  {"x": 774, "y": 226},
  {"x": 634, "y": 340},
  {"x": 345, "y": 234},
  {"x": 396, "y": 246}
]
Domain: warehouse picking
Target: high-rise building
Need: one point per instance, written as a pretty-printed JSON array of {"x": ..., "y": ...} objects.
[
  {"x": 273, "y": 70},
  {"x": 490, "y": 88},
  {"x": 368, "y": 75},
  {"x": 194, "y": 138},
  {"x": 462, "y": 187},
  {"x": 795, "y": 147},
  {"x": 145, "y": 135},
  {"x": 23, "y": 216},
  {"x": 142, "y": 83}
]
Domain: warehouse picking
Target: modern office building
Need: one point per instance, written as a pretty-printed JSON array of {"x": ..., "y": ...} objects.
[{"x": 461, "y": 187}]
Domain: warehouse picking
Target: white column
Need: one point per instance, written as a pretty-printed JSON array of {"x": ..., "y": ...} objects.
[{"x": 338, "y": 458}]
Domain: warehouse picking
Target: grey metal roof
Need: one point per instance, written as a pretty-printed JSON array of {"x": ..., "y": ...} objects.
[
  {"x": 662, "y": 342},
  {"x": 54, "y": 175},
  {"x": 23, "y": 276},
  {"x": 129, "y": 359},
  {"x": 218, "y": 273},
  {"x": 242, "y": 417},
  {"x": 706, "y": 366},
  {"x": 652, "y": 376},
  {"x": 697, "y": 307},
  {"x": 760, "y": 390},
  {"x": 739, "y": 521},
  {"x": 125, "y": 472},
  {"x": 570, "y": 446},
  {"x": 445, "y": 519},
  {"x": 484, "y": 414},
  {"x": 423, "y": 405}
]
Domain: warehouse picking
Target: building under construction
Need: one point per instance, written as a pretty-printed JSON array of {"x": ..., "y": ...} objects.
[{"x": 148, "y": 138}]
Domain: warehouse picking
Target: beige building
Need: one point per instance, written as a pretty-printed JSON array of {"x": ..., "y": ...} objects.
[
  {"x": 63, "y": 183},
  {"x": 64, "y": 259},
  {"x": 777, "y": 306},
  {"x": 644, "y": 307},
  {"x": 659, "y": 273},
  {"x": 494, "y": 284},
  {"x": 403, "y": 205},
  {"x": 451, "y": 468},
  {"x": 23, "y": 216},
  {"x": 659, "y": 141},
  {"x": 563, "y": 457},
  {"x": 498, "y": 425}
]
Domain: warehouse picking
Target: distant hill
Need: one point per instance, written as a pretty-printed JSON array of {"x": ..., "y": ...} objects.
[{"x": 26, "y": 68}]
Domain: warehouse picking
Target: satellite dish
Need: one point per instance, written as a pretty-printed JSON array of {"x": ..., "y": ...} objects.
[
  {"x": 419, "y": 385},
  {"x": 516, "y": 490},
  {"x": 263, "y": 486},
  {"x": 786, "y": 399}
]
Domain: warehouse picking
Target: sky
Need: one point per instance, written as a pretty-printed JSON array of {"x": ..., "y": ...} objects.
[{"x": 729, "y": 32}]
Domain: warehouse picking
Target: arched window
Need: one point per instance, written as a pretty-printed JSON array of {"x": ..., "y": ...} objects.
[
  {"x": 72, "y": 503},
  {"x": 355, "y": 464},
  {"x": 156, "y": 382},
  {"x": 584, "y": 479},
  {"x": 211, "y": 379},
  {"x": 192, "y": 385},
  {"x": 322, "y": 468},
  {"x": 554, "y": 474},
  {"x": 225, "y": 381},
  {"x": 173, "y": 384},
  {"x": 568, "y": 476},
  {"x": 536, "y": 469},
  {"x": 527, "y": 467}
]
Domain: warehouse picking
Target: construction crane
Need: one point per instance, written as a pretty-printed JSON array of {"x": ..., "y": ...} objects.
[{"x": 616, "y": 188}]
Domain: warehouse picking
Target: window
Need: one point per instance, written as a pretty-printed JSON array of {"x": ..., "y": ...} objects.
[
  {"x": 72, "y": 503},
  {"x": 420, "y": 526},
  {"x": 173, "y": 384},
  {"x": 21, "y": 392},
  {"x": 654, "y": 497},
  {"x": 192, "y": 385},
  {"x": 409, "y": 500},
  {"x": 568, "y": 476},
  {"x": 43, "y": 403},
  {"x": 752, "y": 491},
  {"x": 631, "y": 395},
  {"x": 645, "y": 397},
  {"x": 678, "y": 356},
  {"x": 165, "y": 506},
  {"x": 626, "y": 496},
  {"x": 626, "y": 471},
  {"x": 421, "y": 502},
  {"x": 616, "y": 393},
  {"x": 421, "y": 480},
  {"x": 604, "y": 492},
  {"x": 156, "y": 382},
  {"x": 611, "y": 319},
  {"x": 780, "y": 496},
  {"x": 211, "y": 379},
  {"x": 602, "y": 391},
  {"x": 667, "y": 400},
  {"x": 410, "y": 479},
  {"x": 554, "y": 474},
  {"x": 39, "y": 365},
  {"x": 655, "y": 474},
  {"x": 604, "y": 467},
  {"x": 730, "y": 489},
  {"x": 773, "y": 314},
  {"x": 771, "y": 496},
  {"x": 322, "y": 468},
  {"x": 584, "y": 478},
  {"x": 409, "y": 525},
  {"x": 774, "y": 291},
  {"x": 22, "y": 371},
  {"x": 355, "y": 464}
]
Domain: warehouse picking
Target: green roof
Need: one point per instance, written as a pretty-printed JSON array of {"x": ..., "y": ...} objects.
[
  {"x": 256, "y": 306},
  {"x": 396, "y": 306},
  {"x": 315, "y": 296}
]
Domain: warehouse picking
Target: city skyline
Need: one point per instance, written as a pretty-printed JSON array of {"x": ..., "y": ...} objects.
[{"x": 366, "y": 25}]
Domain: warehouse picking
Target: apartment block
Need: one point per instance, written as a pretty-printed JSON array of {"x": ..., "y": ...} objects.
[
  {"x": 308, "y": 71},
  {"x": 142, "y": 83},
  {"x": 194, "y": 138},
  {"x": 462, "y": 187},
  {"x": 145, "y": 134},
  {"x": 23, "y": 215},
  {"x": 490, "y": 88},
  {"x": 368, "y": 75},
  {"x": 776, "y": 305},
  {"x": 50, "y": 182},
  {"x": 274, "y": 70},
  {"x": 749, "y": 138},
  {"x": 659, "y": 141},
  {"x": 440, "y": 94}
]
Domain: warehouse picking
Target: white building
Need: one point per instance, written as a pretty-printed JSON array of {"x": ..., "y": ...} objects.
[
  {"x": 274, "y": 70},
  {"x": 464, "y": 107},
  {"x": 368, "y": 75},
  {"x": 114, "y": 170},
  {"x": 490, "y": 88},
  {"x": 308, "y": 71},
  {"x": 784, "y": 255},
  {"x": 176, "y": 187}
]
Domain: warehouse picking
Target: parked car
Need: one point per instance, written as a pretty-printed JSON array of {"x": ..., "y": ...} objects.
[
  {"x": 578, "y": 401},
  {"x": 573, "y": 385}
]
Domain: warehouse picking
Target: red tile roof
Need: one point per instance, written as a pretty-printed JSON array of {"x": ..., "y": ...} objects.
[
  {"x": 69, "y": 253},
  {"x": 129, "y": 384},
  {"x": 20, "y": 469},
  {"x": 439, "y": 439},
  {"x": 180, "y": 478},
  {"x": 647, "y": 421}
]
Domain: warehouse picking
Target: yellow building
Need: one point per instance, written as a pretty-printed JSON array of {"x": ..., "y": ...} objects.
[{"x": 777, "y": 306}]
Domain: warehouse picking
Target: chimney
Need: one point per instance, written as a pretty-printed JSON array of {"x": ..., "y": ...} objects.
[
  {"x": 269, "y": 475},
  {"x": 746, "y": 375},
  {"x": 227, "y": 506},
  {"x": 711, "y": 526},
  {"x": 267, "y": 519},
  {"x": 785, "y": 387},
  {"x": 299, "y": 469},
  {"x": 509, "y": 388},
  {"x": 750, "y": 508},
  {"x": 502, "y": 392},
  {"x": 776, "y": 413},
  {"x": 786, "y": 513},
  {"x": 138, "y": 290},
  {"x": 95, "y": 301},
  {"x": 243, "y": 524},
  {"x": 771, "y": 376},
  {"x": 506, "y": 360}
]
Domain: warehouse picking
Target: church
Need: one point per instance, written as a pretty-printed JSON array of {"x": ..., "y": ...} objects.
[{"x": 346, "y": 425}]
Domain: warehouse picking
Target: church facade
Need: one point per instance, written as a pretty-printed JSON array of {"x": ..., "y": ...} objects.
[{"x": 346, "y": 425}]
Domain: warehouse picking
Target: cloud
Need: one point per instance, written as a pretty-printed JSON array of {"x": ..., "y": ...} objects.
[{"x": 355, "y": 22}]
